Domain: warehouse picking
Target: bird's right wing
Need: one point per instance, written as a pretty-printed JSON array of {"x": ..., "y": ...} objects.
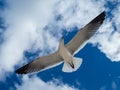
[
  {"x": 85, "y": 33},
  {"x": 41, "y": 63}
]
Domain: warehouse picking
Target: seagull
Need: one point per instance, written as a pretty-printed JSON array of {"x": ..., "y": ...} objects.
[{"x": 65, "y": 53}]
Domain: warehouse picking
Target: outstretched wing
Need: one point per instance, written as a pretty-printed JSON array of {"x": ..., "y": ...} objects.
[
  {"x": 85, "y": 33},
  {"x": 41, "y": 64}
]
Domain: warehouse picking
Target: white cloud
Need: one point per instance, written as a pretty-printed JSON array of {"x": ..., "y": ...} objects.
[
  {"x": 77, "y": 13},
  {"x": 116, "y": 18},
  {"x": 37, "y": 84},
  {"x": 25, "y": 21}
]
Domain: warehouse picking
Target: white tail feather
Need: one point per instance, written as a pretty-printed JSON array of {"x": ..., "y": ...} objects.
[{"x": 77, "y": 63}]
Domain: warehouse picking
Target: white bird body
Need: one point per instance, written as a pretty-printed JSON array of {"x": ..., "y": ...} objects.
[
  {"x": 70, "y": 63},
  {"x": 67, "y": 57},
  {"x": 65, "y": 52}
]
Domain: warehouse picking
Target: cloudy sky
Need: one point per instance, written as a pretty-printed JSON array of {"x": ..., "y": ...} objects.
[{"x": 33, "y": 28}]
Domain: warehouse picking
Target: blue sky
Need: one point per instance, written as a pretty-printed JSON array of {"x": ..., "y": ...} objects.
[{"x": 33, "y": 28}]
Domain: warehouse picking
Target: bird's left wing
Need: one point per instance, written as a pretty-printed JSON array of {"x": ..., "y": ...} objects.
[
  {"x": 41, "y": 63},
  {"x": 85, "y": 33}
]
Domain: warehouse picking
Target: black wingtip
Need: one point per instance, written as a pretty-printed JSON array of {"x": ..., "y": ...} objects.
[
  {"x": 100, "y": 17},
  {"x": 18, "y": 72},
  {"x": 22, "y": 70}
]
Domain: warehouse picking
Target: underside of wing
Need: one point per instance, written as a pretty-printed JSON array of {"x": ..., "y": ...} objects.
[
  {"x": 85, "y": 33},
  {"x": 40, "y": 64}
]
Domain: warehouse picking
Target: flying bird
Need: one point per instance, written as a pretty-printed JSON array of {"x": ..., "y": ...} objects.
[{"x": 65, "y": 53}]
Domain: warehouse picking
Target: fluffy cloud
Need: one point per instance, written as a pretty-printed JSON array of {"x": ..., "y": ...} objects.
[
  {"x": 77, "y": 13},
  {"x": 117, "y": 18},
  {"x": 25, "y": 22},
  {"x": 41, "y": 85}
]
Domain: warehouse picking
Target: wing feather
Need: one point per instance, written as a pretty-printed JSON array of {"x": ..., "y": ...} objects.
[
  {"x": 40, "y": 64},
  {"x": 85, "y": 33}
]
